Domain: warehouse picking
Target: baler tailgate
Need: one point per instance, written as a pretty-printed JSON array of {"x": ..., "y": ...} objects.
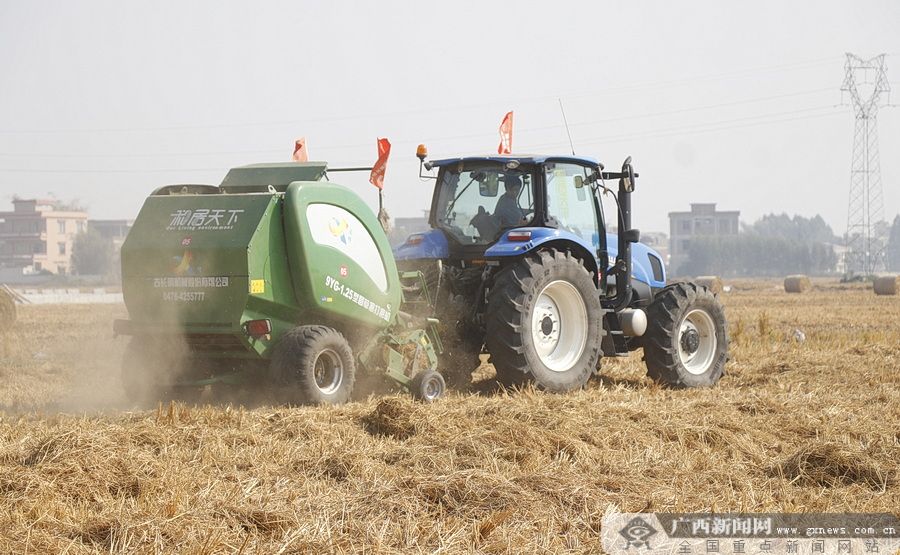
[{"x": 186, "y": 259}]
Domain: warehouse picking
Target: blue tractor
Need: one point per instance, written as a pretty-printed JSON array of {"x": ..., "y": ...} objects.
[{"x": 521, "y": 268}]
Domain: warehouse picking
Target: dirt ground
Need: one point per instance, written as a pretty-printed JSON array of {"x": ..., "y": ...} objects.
[{"x": 795, "y": 426}]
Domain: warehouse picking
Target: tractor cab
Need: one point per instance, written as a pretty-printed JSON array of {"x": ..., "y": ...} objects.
[
  {"x": 487, "y": 209},
  {"x": 477, "y": 201}
]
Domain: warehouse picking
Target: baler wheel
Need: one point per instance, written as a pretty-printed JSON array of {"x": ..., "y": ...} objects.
[
  {"x": 428, "y": 386},
  {"x": 314, "y": 365}
]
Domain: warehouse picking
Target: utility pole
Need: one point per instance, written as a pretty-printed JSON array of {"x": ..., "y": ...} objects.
[{"x": 867, "y": 85}]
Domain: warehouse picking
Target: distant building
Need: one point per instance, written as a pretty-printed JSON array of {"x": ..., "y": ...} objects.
[
  {"x": 702, "y": 221},
  {"x": 114, "y": 230},
  {"x": 38, "y": 234}
]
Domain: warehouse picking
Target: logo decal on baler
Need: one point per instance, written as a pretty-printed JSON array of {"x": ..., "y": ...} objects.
[
  {"x": 341, "y": 229},
  {"x": 203, "y": 219},
  {"x": 183, "y": 264},
  {"x": 335, "y": 227}
]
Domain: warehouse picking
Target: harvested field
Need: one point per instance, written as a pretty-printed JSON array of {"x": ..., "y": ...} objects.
[{"x": 801, "y": 422}]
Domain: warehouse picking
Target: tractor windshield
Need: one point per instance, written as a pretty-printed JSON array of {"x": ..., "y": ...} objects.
[
  {"x": 476, "y": 203},
  {"x": 571, "y": 203}
]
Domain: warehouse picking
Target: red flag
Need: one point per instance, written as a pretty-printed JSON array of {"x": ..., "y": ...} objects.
[
  {"x": 377, "y": 176},
  {"x": 506, "y": 134},
  {"x": 300, "y": 154}
]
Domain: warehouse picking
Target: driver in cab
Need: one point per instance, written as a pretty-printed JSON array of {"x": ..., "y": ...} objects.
[{"x": 508, "y": 212}]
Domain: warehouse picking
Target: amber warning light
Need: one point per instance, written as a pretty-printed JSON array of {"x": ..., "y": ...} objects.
[{"x": 422, "y": 152}]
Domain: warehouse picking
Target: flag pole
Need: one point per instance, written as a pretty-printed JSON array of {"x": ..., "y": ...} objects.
[
  {"x": 377, "y": 178},
  {"x": 383, "y": 217}
]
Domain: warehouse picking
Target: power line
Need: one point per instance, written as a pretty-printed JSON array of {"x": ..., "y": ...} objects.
[
  {"x": 737, "y": 74},
  {"x": 332, "y": 118},
  {"x": 693, "y": 109},
  {"x": 446, "y": 138},
  {"x": 707, "y": 127},
  {"x": 679, "y": 131}
]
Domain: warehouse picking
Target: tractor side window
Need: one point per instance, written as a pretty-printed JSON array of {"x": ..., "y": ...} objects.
[
  {"x": 571, "y": 207},
  {"x": 473, "y": 206}
]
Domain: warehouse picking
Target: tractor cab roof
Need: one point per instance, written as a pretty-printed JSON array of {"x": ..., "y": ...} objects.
[{"x": 521, "y": 158}]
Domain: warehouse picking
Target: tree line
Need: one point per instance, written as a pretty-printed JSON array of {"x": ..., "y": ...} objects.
[{"x": 775, "y": 245}]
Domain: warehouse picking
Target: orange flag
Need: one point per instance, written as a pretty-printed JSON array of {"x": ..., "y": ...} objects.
[
  {"x": 506, "y": 134},
  {"x": 300, "y": 154},
  {"x": 377, "y": 176}
]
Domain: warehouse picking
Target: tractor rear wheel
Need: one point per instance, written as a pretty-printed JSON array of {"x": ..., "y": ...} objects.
[
  {"x": 686, "y": 343},
  {"x": 544, "y": 322},
  {"x": 313, "y": 365}
]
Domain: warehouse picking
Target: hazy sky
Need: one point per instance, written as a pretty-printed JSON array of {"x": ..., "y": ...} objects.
[{"x": 715, "y": 101}]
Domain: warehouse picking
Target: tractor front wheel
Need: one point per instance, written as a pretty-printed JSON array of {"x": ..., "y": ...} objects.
[
  {"x": 544, "y": 322},
  {"x": 313, "y": 365},
  {"x": 686, "y": 343}
]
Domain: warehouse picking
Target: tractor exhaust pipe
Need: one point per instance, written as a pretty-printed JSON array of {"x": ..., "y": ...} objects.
[{"x": 626, "y": 234}]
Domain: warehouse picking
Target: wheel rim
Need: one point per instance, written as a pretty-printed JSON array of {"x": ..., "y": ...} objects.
[
  {"x": 328, "y": 371},
  {"x": 697, "y": 341},
  {"x": 431, "y": 389},
  {"x": 559, "y": 326}
]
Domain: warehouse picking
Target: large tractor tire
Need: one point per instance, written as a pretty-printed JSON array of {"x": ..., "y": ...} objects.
[
  {"x": 686, "y": 343},
  {"x": 313, "y": 365},
  {"x": 544, "y": 322}
]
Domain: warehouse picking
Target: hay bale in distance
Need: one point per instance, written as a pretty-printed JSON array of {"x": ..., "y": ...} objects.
[
  {"x": 7, "y": 311},
  {"x": 713, "y": 283},
  {"x": 887, "y": 284},
  {"x": 797, "y": 284}
]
